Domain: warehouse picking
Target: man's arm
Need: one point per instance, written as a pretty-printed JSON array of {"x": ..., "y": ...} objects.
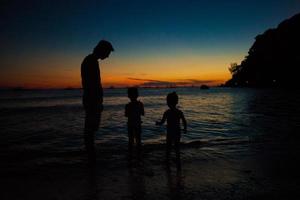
[
  {"x": 100, "y": 93},
  {"x": 184, "y": 122},
  {"x": 98, "y": 82},
  {"x": 90, "y": 76}
]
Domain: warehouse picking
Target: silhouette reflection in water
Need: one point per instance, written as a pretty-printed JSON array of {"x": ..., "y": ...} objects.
[
  {"x": 175, "y": 183},
  {"x": 136, "y": 182},
  {"x": 92, "y": 183}
]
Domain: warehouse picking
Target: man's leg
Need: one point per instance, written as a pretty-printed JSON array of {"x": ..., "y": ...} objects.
[
  {"x": 92, "y": 122},
  {"x": 89, "y": 137}
]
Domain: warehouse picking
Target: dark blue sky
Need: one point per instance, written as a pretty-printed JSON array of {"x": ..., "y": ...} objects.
[{"x": 137, "y": 29}]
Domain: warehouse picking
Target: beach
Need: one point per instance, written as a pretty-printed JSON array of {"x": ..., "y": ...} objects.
[
  {"x": 220, "y": 172},
  {"x": 240, "y": 144}
]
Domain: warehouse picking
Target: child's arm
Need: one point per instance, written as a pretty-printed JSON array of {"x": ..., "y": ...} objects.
[
  {"x": 162, "y": 121},
  {"x": 184, "y": 123}
]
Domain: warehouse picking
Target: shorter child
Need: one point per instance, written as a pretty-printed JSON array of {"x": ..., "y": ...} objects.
[
  {"x": 133, "y": 111},
  {"x": 173, "y": 116}
]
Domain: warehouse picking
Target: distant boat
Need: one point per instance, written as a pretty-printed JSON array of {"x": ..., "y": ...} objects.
[
  {"x": 18, "y": 89},
  {"x": 69, "y": 88},
  {"x": 204, "y": 87}
]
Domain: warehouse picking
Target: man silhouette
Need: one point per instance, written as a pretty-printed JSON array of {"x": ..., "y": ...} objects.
[{"x": 93, "y": 94}]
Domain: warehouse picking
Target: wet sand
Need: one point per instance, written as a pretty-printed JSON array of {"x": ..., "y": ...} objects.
[{"x": 237, "y": 171}]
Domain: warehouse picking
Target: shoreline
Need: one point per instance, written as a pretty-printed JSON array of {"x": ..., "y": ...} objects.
[{"x": 237, "y": 171}]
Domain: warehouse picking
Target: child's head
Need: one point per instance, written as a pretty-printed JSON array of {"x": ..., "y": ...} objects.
[
  {"x": 132, "y": 93},
  {"x": 172, "y": 99}
]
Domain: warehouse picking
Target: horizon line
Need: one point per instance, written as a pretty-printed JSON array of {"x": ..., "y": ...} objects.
[{"x": 110, "y": 87}]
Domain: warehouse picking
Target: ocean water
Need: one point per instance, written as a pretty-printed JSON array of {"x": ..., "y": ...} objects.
[{"x": 53, "y": 120}]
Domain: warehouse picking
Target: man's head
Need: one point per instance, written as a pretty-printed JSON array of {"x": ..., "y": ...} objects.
[{"x": 103, "y": 49}]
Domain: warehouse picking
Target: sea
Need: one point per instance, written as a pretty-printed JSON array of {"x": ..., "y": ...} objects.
[{"x": 52, "y": 120}]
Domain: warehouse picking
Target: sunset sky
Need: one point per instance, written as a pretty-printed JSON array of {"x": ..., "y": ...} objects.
[{"x": 156, "y": 42}]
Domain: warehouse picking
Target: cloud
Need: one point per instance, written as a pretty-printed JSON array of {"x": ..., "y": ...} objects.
[
  {"x": 152, "y": 83},
  {"x": 195, "y": 81},
  {"x": 141, "y": 79},
  {"x": 182, "y": 82}
]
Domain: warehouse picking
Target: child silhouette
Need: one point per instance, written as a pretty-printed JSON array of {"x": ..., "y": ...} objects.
[
  {"x": 173, "y": 116},
  {"x": 133, "y": 111}
]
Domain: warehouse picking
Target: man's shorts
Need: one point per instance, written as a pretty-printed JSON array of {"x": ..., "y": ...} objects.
[{"x": 92, "y": 118}]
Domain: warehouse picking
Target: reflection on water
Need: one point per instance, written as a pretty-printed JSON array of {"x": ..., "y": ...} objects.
[
  {"x": 136, "y": 182},
  {"x": 53, "y": 119},
  {"x": 175, "y": 182}
]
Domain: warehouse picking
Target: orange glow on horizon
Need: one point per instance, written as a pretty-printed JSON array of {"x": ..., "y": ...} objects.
[
  {"x": 74, "y": 81},
  {"x": 64, "y": 71}
]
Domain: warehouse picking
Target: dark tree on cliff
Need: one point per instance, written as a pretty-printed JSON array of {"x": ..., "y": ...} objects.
[{"x": 272, "y": 60}]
